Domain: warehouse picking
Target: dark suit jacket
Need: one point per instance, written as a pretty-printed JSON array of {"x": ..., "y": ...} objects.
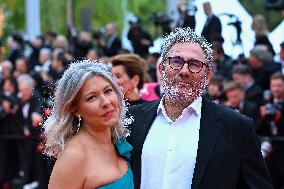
[
  {"x": 212, "y": 28},
  {"x": 113, "y": 48},
  {"x": 254, "y": 94},
  {"x": 228, "y": 155},
  {"x": 35, "y": 107}
]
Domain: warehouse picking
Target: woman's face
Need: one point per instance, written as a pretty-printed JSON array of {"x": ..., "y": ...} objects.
[
  {"x": 98, "y": 104},
  {"x": 128, "y": 84}
]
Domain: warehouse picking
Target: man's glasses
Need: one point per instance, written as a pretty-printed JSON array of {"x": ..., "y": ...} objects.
[{"x": 194, "y": 66}]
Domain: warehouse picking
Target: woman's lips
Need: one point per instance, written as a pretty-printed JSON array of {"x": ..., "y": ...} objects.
[{"x": 108, "y": 113}]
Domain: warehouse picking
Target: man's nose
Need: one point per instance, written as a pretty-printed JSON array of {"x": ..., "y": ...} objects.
[{"x": 184, "y": 71}]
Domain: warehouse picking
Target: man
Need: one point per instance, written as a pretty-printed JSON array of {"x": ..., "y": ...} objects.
[
  {"x": 140, "y": 39},
  {"x": 273, "y": 111},
  {"x": 223, "y": 62},
  {"x": 272, "y": 121},
  {"x": 263, "y": 66},
  {"x": 28, "y": 117},
  {"x": 242, "y": 74},
  {"x": 235, "y": 95},
  {"x": 113, "y": 44},
  {"x": 212, "y": 27},
  {"x": 186, "y": 141}
]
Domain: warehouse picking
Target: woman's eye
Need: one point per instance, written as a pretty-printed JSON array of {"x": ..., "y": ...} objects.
[
  {"x": 108, "y": 91},
  {"x": 91, "y": 98}
]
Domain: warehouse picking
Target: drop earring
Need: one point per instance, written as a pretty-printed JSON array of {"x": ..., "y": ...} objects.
[{"x": 79, "y": 124}]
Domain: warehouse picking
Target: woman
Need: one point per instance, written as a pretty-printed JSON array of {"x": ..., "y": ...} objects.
[
  {"x": 130, "y": 70},
  {"x": 85, "y": 131}
]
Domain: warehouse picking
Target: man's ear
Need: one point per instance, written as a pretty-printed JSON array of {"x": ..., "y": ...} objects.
[
  {"x": 160, "y": 69},
  {"x": 209, "y": 75}
]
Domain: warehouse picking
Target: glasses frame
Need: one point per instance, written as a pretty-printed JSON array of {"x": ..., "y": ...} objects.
[{"x": 188, "y": 62}]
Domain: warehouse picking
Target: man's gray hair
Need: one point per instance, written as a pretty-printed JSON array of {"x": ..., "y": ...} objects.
[
  {"x": 262, "y": 53},
  {"x": 62, "y": 124},
  {"x": 8, "y": 63},
  {"x": 27, "y": 80},
  {"x": 182, "y": 35}
]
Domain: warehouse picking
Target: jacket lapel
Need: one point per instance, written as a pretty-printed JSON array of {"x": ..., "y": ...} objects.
[
  {"x": 208, "y": 134},
  {"x": 144, "y": 123}
]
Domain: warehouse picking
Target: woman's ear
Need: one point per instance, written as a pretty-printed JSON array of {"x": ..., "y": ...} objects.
[{"x": 135, "y": 81}]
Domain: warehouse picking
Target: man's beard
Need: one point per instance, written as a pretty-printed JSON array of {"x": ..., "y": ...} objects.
[{"x": 183, "y": 93}]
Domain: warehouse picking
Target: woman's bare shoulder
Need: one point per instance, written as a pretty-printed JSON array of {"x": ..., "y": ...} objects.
[{"x": 69, "y": 169}]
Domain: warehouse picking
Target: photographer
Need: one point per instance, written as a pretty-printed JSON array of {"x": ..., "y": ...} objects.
[
  {"x": 273, "y": 111},
  {"x": 272, "y": 125},
  {"x": 140, "y": 39},
  {"x": 81, "y": 42},
  {"x": 8, "y": 130},
  {"x": 186, "y": 19}
]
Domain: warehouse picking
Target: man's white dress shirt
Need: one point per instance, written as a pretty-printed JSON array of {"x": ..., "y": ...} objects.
[{"x": 170, "y": 149}]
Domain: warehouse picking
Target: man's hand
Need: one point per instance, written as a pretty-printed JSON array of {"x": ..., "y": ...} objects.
[{"x": 36, "y": 119}]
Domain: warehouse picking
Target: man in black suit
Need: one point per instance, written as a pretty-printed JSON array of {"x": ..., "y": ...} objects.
[
  {"x": 212, "y": 26},
  {"x": 186, "y": 141},
  {"x": 242, "y": 74},
  {"x": 113, "y": 44},
  {"x": 235, "y": 96},
  {"x": 28, "y": 118}
]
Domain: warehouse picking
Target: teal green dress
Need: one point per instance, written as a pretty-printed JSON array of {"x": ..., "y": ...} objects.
[{"x": 126, "y": 181}]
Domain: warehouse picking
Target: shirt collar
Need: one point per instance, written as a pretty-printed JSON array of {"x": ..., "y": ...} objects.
[{"x": 195, "y": 106}]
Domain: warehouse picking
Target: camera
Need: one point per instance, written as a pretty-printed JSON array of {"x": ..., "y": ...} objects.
[
  {"x": 271, "y": 111},
  {"x": 98, "y": 34},
  {"x": 162, "y": 20}
]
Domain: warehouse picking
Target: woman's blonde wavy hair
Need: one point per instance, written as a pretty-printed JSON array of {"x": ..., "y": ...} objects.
[{"x": 62, "y": 124}]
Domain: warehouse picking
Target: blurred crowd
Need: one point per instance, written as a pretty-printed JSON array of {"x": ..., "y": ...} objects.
[{"x": 252, "y": 86}]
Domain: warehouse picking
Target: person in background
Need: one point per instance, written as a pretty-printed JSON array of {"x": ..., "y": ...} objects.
[
  {"x": 272, "y": 121},
  {"x": 29, "y": 118},
  {"x": 21, "y": 66},
  {"x": 113, "y": 44},
  {"x": 140, "y": 39},
  {"x": 93, "y": 54},
  {"x": 272, "y": 112},
  {"x": 212, "y": 26},
  {"x": 35, "y": 44},
  {"x": 259, "y": 25},
  {"x": 6, "y": 70},
  {"x": 263, "y": 66},
  {"x": 185, "y": 19},
  {"x": 214, "y": 90},
  {"x": 49, "y": 39},
  {"x": 235, "y": 96},
  {"x": 15, "y": 43},
  {"x": 242, "y": 74},
  {"x": 130, "y": 72},
  {"x": 223, "y": 63},
  {"x": 152, "y": 60}
]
